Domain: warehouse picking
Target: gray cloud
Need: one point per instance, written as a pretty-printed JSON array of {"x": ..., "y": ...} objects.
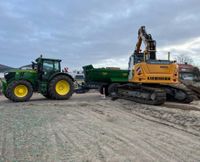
[{"x": 90, "y": 31}]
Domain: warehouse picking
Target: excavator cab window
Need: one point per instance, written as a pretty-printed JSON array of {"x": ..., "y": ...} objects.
[{"x": 138, "y": 57}]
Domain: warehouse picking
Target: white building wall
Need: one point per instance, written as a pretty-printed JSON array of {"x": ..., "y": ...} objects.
[{"x": 1, "y": 75}]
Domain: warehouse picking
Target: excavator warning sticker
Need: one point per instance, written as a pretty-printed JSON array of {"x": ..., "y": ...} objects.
[{"x": 139, "y": 71}]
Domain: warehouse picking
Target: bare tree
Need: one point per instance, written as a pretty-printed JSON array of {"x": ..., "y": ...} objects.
[{"x": 182, "y": 59}]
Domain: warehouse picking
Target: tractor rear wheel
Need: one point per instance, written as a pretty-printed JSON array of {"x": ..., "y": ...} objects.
[
  {"x": 61, "y": 87},
  {"x": 19, "y": 91},
  {"x": 5, "y": 94}
]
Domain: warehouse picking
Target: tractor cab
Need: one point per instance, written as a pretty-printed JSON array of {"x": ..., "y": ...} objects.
[{"x": 47, "y": 67}]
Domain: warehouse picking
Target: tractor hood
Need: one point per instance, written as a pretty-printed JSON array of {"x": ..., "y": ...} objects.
[
  {"x": 20, "y": 71},
  {"x": 17, "y": 74}
]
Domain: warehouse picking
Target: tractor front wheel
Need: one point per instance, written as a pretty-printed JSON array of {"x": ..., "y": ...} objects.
[
  {"x": 19, "y": 91},
  {"x": 61, "y": 87}
]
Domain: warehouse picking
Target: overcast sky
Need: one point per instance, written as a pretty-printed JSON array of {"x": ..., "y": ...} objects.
[{"x": 99, "y": 32}]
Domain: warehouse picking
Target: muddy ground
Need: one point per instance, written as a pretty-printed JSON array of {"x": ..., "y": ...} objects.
[{"x": 90, "y": 128}]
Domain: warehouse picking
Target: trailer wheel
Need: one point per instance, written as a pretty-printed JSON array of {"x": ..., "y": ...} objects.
[
  {"x": 102, "y": 88},
  {"x": 61, "y": 87},
  {"x": 112, "y": 90}
]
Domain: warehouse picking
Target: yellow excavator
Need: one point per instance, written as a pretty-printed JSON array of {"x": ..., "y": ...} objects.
[{"x": 151, "y": 81}]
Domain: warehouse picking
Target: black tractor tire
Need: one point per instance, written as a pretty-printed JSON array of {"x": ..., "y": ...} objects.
[
  {"x": 11, "y": 87},
  {"x": 101, "y": 91},
  {"x": 6, "y": 95},
  {"x": 53, "y": 94},
  {"x": 112, "y": 90}
]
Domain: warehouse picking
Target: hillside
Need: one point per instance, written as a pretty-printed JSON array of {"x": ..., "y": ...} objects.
[{"x": 4, "y": 68}]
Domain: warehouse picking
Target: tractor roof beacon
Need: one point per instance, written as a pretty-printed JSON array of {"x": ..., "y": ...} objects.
[{"x": 45, "y": 77}]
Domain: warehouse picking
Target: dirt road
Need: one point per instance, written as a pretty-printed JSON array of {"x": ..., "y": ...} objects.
[{"x": 88, "y": 128}]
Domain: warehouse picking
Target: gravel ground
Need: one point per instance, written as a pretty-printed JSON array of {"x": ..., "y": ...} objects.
[{"x": 90, "y": 128}]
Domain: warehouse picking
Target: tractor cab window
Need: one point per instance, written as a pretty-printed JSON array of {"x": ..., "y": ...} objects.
[
  {"x": 48, "y": 65},
  {"x": 57, "y": 66}
]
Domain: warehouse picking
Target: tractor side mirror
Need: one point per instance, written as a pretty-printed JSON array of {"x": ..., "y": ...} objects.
[{"x": 33, "y": 65}]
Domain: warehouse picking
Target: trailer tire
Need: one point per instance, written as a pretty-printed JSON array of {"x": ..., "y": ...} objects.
[
  {"x": 101, "y": 90},
  {"x": 112, "y": 88}
]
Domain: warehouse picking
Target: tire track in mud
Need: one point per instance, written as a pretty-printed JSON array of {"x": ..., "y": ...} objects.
[
  {"x": 125, "y": 142},
  {"x": 197, "y": 156},
  {"x": 88, "y": 140},
  {"x": 179, "y": 119},
  {"x": 92, "y": 129},
  {"x": 88, "y": 128},
  {"x": 182, "y": 106},
  {"x": 77, "y": 146},
  {"x": 146, "y": 138}
]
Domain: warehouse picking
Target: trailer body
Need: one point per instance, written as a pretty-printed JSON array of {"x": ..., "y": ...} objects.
[{"x": 102, "y": 78}]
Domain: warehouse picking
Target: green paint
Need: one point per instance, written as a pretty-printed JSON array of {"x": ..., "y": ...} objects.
[{"x": 105, "y": 75}]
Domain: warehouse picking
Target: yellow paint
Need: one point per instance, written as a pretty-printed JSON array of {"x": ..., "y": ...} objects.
[
  {"x": 21, "y": 91},
  {"x": 148, "y": 73},
  {"x": 62, "y": 87}
]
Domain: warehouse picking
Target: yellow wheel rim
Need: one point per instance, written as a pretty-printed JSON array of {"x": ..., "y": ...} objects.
[
  {"x": 62, "y": 87},
  {"x": 21, "y": 91}
]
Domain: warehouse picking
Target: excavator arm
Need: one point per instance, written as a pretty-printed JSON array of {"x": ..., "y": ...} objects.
[{"x": 150, "y": 44}]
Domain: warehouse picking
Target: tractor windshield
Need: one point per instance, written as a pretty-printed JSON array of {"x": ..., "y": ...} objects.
[
  {"x": 56, "y": 66},
  {"x": 48, "y": 65},
  {"x": 51, "y": 65}
]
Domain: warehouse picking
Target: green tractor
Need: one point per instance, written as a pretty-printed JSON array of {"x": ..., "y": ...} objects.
[{"x": 45, "y": 77}]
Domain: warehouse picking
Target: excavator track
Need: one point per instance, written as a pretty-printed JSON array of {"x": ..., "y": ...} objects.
[
  {"x": 194, "y": 86},
  {"x": 179, "y": 93},
  {"x": 139, "y": 93}
]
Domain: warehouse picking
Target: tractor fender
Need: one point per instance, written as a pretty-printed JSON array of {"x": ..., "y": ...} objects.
[
  {"x": 5, "y": 83},
  {"x": 3, "y": 86},
  {"x": 61, "y": 73}
]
